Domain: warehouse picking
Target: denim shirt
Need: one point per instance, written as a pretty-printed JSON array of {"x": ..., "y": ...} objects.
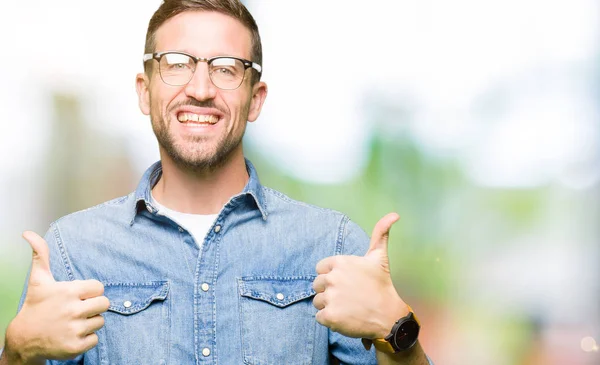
[{"x": 243, "y": 297}]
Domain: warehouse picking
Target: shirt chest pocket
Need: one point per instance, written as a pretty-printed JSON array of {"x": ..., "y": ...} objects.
[
  {"x": 137, "y": 320},
  {"x": 277, "y": 320}
]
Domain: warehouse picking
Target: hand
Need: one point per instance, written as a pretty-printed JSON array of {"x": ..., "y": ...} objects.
[
  {"x": 355, "y": 295},
  {"x": 58, "y": 320}
]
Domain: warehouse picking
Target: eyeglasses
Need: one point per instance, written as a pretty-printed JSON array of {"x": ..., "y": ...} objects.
[{"x": 177, "y": 68}]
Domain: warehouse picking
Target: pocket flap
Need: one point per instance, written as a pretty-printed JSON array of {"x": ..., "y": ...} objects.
[
  {"x": 279, "y": 291},
  {"x": 130, "y": 298}
]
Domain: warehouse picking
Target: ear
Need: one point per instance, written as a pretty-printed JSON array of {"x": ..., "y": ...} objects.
[
  {"x": 142, "y": 85},
  {"x": 259, "y": 94}
]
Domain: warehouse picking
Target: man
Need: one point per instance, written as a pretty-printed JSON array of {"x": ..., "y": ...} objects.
[{"x": 202, "y": 264}]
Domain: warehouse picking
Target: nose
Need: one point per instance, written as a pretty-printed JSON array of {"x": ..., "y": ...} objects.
[{"x": 200, "y": 86}]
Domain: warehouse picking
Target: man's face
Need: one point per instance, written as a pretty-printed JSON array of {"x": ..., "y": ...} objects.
[{"x": 198, "y": 125}]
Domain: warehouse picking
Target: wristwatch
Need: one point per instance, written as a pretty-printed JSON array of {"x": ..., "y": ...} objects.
[{"x": 403, "y": 336}]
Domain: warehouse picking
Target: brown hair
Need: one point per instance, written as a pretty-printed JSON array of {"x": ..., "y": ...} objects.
[{"x": 234, "y": 8}]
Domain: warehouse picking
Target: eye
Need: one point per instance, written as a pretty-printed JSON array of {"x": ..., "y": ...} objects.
[
  {"x": 224, "y": 71},
  {"x": 175, "y": 62}
]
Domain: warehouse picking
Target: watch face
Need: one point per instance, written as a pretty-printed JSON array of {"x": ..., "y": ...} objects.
[{"x": 407, "y": 334}]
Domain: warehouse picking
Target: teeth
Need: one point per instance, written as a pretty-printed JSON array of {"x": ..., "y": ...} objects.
[{"x": 185, "y": 117}]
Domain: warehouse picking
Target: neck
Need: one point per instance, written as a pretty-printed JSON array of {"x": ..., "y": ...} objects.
[{"x": 200, "y": 192}]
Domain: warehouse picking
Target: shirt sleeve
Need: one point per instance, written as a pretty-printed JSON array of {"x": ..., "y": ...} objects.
[{"x": 59, "y": 271}]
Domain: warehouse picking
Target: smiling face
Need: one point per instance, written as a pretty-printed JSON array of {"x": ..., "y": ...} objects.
[{"x": 198, "y": 126}]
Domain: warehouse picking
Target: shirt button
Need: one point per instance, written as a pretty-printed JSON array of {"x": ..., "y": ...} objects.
[
  {"x": 217, "y": 228},
  {"x": 204, "y": 287},
  {"x": 206, "y": 351},
  {"x": 180, "y": 229},
  {"x": 127, "y": 304},
  {"x": 279, "y": 296}
]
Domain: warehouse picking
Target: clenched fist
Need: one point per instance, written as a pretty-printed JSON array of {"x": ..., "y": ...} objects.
[{"x": 58, "y": 320}]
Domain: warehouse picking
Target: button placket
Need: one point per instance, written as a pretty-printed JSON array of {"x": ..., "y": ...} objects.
[{"x": 205, "y": 295}]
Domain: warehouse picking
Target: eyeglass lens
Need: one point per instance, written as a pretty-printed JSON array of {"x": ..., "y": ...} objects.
[{"x": 178, "y": 69}]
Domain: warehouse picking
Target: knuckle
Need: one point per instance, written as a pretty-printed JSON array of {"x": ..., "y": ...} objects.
[
  {"x": 324, "y": 317},
  {"x": 77, "y": 310},
  {"x": 73, "y": 348},
  {"x": 341, "y": 260},
  {"x": 328, "y": 282},
  {"x": 76, "y": 329},
  {"x": 96, "y": 285},
  {"x": 334, "y": 260},
  {"x": 326, "y": 298},
  {"x": 333, "y": 323},
  {"x": 323, "y": 299},
  {"x": 72, "y": 288},
  {"x": 71, "y": 329}
]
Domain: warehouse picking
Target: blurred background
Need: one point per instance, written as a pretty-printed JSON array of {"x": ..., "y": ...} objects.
[{"x": 476, "y": 121}]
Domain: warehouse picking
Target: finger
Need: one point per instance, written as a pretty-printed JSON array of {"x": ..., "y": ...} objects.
[
  {"x": 90, "y": 289},
  {"x": 320, "y": 283},
  {"x": 324, "y": 317},
  {"x": 89, "y": 342},
  {"x": 93, "y": 306},
  {"x": 320, "y": 317},
  {"x": 93, "y": 324},
  {"x": 40, "y": 261},
  {"x": 381, "y": 233},
  {"x": 326, "y": 265},
  {"x": 319, "y": 301}
]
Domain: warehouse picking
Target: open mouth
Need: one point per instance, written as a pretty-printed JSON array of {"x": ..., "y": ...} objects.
[{"x": 199, "y": 119}]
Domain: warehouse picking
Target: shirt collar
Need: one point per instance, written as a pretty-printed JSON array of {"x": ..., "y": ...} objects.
[{"x": 142, "y": 193}]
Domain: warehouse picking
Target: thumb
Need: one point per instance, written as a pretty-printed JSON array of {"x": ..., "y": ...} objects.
[
  {"x": 40, "y": 261},
  {"x": 381, "y": 233}
]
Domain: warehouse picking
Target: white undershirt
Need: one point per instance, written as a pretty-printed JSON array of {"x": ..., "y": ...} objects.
[{"x": 197, "y": 224}]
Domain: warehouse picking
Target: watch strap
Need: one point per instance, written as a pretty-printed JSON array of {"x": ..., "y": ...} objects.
[{"x": 383, "y": 346}]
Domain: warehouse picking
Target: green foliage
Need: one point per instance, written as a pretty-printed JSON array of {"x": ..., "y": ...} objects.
[{"x": 398, "y": 177}]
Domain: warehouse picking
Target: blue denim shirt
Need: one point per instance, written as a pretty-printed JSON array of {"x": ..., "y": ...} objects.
[{"x": 246, "y": 298}]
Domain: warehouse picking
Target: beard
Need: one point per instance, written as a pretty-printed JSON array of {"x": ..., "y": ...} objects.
[{"x": 198, "y": 154}]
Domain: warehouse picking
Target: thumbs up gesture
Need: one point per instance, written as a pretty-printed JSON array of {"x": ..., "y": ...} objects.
[
  {"x": 58, "y": 320},
  {"x": 355, "y": 295}
]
